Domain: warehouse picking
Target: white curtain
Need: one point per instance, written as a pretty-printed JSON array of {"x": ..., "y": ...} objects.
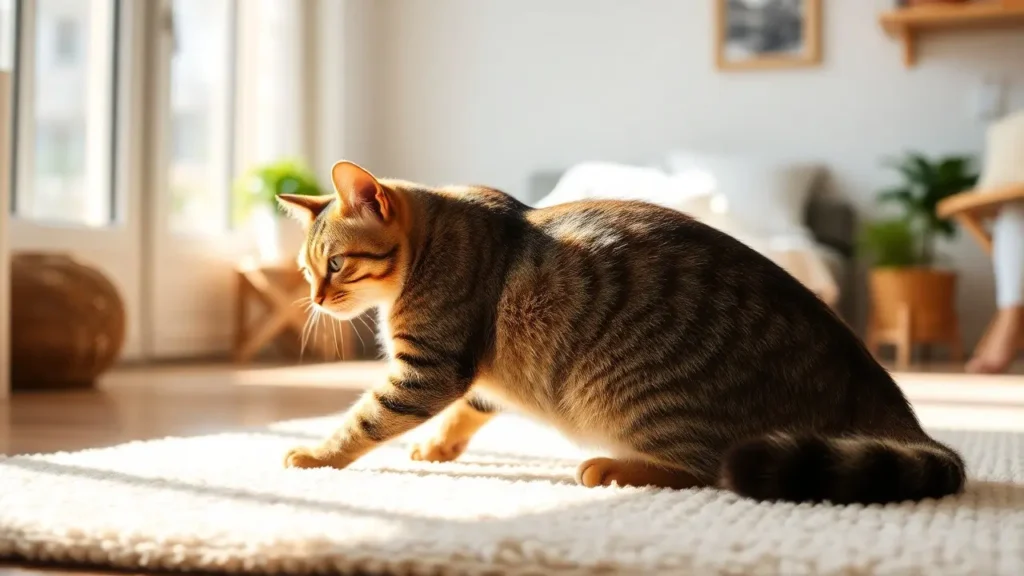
[{"x": 285, "y": 88}]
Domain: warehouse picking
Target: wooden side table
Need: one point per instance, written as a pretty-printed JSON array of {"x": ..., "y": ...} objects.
[{"x": 280, "y": 289}]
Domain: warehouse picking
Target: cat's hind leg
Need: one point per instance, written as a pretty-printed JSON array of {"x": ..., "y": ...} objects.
[
  {"x": 607, "y": 471},
  {"x": 458, "y": 423}
]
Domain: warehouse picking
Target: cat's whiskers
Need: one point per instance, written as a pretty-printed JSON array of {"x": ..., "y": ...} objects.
[
  {"x": 356, "y": 330},
  {"x": 365, "y": 325},
  {"x": 334, "y": 332},
  {"x": 336, "y": 322},
  {"x": 323, "y": 335},
  {"x": 307, "y": 329}
]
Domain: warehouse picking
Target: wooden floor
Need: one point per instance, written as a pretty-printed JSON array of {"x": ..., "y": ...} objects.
[{"x": 143, "y": 403}]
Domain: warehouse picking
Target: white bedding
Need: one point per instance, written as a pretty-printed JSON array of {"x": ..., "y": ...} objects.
[{"x": 693, "y": 192}]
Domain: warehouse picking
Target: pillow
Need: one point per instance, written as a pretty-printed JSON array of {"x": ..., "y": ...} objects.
[{"x": 764, "y": 197}]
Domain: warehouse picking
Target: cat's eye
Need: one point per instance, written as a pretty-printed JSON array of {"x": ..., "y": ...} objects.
[{"x": 334, "y": 264}]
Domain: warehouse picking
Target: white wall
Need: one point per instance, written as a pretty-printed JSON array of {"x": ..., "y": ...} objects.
[{"x": 472, "y": 91}]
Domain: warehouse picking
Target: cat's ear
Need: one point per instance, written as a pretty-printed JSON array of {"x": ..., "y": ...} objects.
[
  {"x": 303, "y": 208},
  {"x": 360, "y": 190}
]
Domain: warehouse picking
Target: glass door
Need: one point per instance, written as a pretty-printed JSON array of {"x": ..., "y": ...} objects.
[
  {"x": 130, "y": 127},
  {"x": 194, "y": 249},
  {"x": 73, "y": 109}
]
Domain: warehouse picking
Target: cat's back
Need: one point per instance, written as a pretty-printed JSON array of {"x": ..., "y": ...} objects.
[
  {"x": 647, "y": 261},
  {"x": 652, "y": 242},
  {"x": 593, "y": 280},
  {"x": 613, "y": 220},
  {"x": 609, "y": 294}
]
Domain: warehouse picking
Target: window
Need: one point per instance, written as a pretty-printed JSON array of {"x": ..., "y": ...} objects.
[
  {"x": 7, "y": 36},
  {"x": 59, "y": 148},
  {"x": 65, "y": 113},
  {"x": 201, "y": 115},
  {"x": 67, "y": 49}
]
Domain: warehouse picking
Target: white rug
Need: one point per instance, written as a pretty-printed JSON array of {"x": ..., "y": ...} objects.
[{"x": 223, "y": 503}]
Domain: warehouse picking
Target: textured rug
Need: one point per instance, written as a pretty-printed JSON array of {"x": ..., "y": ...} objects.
[{"x": 223, "y": 503}]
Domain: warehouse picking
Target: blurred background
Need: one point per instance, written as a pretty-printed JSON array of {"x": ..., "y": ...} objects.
[{"x": 144, "y": 141}]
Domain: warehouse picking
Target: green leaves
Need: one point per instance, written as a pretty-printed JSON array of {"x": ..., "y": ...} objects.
[
  {"x": 261, "y": 184},
  {"x": 903, "y": 196},
  {"x": 925, "y": 184},
  {"x": 890, "y": 243}
]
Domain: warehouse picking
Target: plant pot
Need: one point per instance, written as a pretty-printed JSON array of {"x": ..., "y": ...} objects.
[
  {"x": 290, "y": 237},
  {"x": 277, "y": 239},
  {"x": 913, "y": 306}
]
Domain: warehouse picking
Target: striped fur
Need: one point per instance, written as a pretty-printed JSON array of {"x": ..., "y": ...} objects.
[
  {"x": 865, "y": 470},
  {"x": 626, "y": 326}
]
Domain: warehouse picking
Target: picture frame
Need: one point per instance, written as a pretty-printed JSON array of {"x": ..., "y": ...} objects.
[{"x": 767, "y": 34}]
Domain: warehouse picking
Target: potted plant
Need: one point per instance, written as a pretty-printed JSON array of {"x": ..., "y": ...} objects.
[
  {"x": 913, "y": 298},
  {"x": 255, "y": 207}
]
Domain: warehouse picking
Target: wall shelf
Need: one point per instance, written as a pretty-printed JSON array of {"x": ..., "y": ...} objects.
[{"x": 909, "y": 24}]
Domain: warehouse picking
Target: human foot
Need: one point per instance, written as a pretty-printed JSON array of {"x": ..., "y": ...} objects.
[{"x": 999, "y": 347}]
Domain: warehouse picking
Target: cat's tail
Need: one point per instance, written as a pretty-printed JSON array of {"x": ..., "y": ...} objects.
[{"x": 841, "y": 470}]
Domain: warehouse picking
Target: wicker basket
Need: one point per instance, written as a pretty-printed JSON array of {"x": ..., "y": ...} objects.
[{"x": 67, "y": 322}]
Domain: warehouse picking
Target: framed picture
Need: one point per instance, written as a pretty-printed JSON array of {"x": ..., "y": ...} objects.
[{"x": 757, "y": 34}]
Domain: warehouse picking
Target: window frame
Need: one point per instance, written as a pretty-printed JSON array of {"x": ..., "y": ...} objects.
[
  {"x": 161, "y": 114},
  {"x": 23, "y": 128}
]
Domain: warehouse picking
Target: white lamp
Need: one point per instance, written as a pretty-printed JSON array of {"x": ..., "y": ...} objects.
[{"x": 1004, "y": 154}]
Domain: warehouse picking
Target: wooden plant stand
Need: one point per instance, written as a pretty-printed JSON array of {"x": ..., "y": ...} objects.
[
  {"x": 910, "y": 307},
  {"x": 279, "y": 289}
]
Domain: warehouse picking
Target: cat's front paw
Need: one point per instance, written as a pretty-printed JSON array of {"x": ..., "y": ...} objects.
[
  {"x": 437, "y": 450},
  {"x": 303, "y": 457}
]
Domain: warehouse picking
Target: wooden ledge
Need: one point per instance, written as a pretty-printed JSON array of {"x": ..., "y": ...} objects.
[
  {"x": 908, "y": 24},
  {"x": 980, "y": 203}
]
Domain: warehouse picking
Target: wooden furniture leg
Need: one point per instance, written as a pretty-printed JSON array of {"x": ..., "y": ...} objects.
[
  {"x": 955, "y": 346},
  {"x": 241, "y": 312},
  {"x": 904, "y": 339},
  {"x": 280, "y": 290},
  {"x": 973, "y": 225},
  {"x": 871, "y": 337}
]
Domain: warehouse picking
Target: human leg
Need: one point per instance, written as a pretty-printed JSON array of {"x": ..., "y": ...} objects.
[{"x": 999, "y": 347}]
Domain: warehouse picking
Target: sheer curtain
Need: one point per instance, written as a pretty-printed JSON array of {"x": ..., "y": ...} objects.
[
  {"x": 288, "y": 98},
  {"x": 287, "y": 90}
]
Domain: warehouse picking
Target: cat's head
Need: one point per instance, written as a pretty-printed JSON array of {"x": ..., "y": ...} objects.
[{"x": 355, "y": 242}]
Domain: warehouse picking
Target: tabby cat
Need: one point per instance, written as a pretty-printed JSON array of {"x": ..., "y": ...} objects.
[{"x": 688, "y": 357}]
